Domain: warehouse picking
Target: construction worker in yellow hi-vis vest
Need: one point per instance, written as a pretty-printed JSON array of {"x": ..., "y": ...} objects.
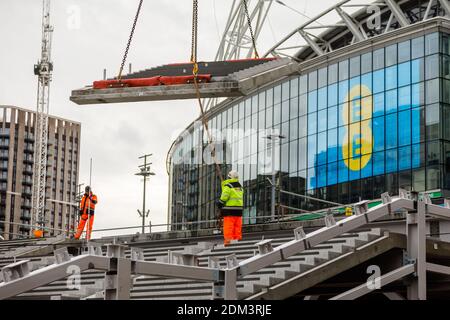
[{"x": 231, "y": 203}]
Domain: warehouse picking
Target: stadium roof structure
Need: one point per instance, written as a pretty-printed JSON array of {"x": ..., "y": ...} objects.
[{"x": 358, "y": 22}]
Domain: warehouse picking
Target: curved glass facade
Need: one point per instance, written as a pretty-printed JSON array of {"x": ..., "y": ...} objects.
[{"x": 352, "y": 129}]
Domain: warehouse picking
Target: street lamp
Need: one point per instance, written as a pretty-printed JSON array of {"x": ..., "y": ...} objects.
[
  {"x": 273, "y": 139},
  {"x": 144, "y": 172}
]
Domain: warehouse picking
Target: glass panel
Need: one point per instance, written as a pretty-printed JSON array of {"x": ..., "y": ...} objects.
[
  {"x": 277, "y": 95},
  {"x": 276, "y": 114},
  {"x": 366, "y": 80},
  {"x": 404, "y": 158},
  {"x": 303, "y": 84},
  {"x": 404, "y": 51},
  {"x": 343, "y": 70},
  {"x": 432, "y": 67},
  {"x": 417, "y": 70},
  {"x": 312, "y": 81},
  {"x": 293, "y": 129},
  {"x": 418, "y": 180},
  {"x": 294, "y": 87},
  {"x": 404, "y": 122},
  {"x": 342, "y": 172},
  {"x": 391, "y": 55},
  {"x": 285, "y": 105},
  {"x": 418, "y": 94},
  {"x": 285, "y": 91},
  {"x": 332, "y": 117},
  {"x": 302, "y": 154},
  {"x": 391, "y": 77},
  {"x": 322, "y": 120},
  {"x": 323, "y": 77},
  {"x": 302, "y": 125},
  {"x": 418, "y": 124},
  {"x": 332, "y": 145},
  {"x": 332, "y": 95},
  {"x": 343, "y": 142},
  {"x": 431, "y": 43},
  {"x": 343, "y": 114},
  {"x": 378, "y": 133},
  {"x": 312, "y": 101},
  {"x": 391, "y": 101},
  {"x": 432, "y": 122},
  {"x": 391, "y": 134},
  {"x": 332, "y": 74},
  {"x": 321, "y": 148},
  {"x": 378, "y": 104},
  {"x": 293, "y": 156},
  {"x": 378, "y": 81},
  {"x": 433, "y": 153},
  {"x": 404, "y": 98},
  {"x": 391, "y": 160},
  {"x": 312, "y": 147},
  {"x": 433, "y": 177},
  {"x": 355, "y": 66},
  {"x": 312, "y": 123},
  {"x": 293, "y": 108},
  {"x": 378, "y": 163},
  {"x": 366, "y": 62},
  {"x": 343, "y": 91},
  {"x": 404, "y": 74},
  {"x": 417, "y": 47},
  {"x": 432, "y": 91},
  {"x": 378, "y": 59},
  {"x": 332, "y": 173},
  {"x": 322, "y": 98}
]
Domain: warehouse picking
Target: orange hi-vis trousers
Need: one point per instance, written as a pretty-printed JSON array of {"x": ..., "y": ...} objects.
[
  {"x": 232, "y": 228},
  {"x": 83, "y": 220}
]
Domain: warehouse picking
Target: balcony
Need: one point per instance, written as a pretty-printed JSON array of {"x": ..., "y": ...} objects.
[
  {"x": 28, "y": 150},
  {"x": 26, "y": 192},
  {"x": 4, "y": 146},
  {"x": 28, "y": 161},
  {"x": 28, "y": 171},
  {"x": 27, "y": 182},
  {"x": 29, "y": 138},
  {"x": 25, "y": 217},
  {"x": 26, "y": 205}
]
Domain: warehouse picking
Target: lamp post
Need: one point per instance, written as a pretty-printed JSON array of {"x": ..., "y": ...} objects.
[
  {"x": 274, "y": 138},
  {"x": 144, "y": 172}
]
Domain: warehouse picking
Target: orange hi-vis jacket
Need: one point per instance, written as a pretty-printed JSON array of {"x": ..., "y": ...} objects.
[{"x": 87, "y": 204}]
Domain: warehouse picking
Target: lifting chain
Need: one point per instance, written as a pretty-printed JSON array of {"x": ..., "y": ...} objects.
[
  {"x": 250, "y": 28},
  {"x": 197, "y": 90},
  {"x": 119, "y": 77}
]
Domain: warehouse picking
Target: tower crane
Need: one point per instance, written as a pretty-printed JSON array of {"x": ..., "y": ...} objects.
[{"x": 43, "y": 69}]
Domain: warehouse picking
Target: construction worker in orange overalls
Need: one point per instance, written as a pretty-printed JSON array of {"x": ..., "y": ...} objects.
[
  {"x": 231, "y": 203},
  {"x": 87, "y": 209}
]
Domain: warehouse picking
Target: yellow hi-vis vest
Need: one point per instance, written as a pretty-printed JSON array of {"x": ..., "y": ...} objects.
[{"x": 232, "y": 199}]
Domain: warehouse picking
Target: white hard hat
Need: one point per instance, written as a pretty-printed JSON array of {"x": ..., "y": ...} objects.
[{"x": 233, "y": 174}]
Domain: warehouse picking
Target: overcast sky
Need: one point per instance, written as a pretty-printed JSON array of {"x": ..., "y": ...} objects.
[{"x": 116, "y": 135}]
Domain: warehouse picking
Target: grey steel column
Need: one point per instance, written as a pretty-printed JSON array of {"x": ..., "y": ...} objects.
[{"x": 416, "y": 249}]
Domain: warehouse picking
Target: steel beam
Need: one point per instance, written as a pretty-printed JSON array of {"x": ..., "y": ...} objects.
[
  {"x": 317, "y": 49},
  {"x": 319, "y": 236},
  {"x": 350, "y": 24},
  {"x": 437, "y": 268},
  {"x": 50, "y": 274},
  {"x": 384, "y": 280},
  {"x": 177, "y": 271},
  {"x": 118, "y": 280},
  {"x": 446, "y": 5},
  {"x": 416, "y": 251},
  {"x": 395, "y": 9}
]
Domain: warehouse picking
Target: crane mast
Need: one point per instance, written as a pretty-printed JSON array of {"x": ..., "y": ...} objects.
[{"x": 43, "y": 69}]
